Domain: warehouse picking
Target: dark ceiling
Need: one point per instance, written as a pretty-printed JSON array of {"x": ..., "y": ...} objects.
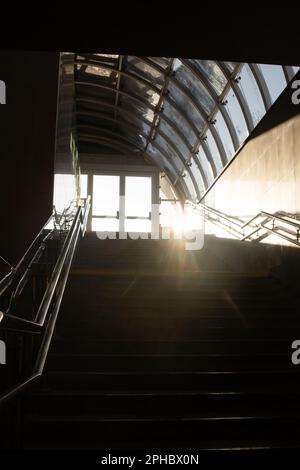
[{"x": 233, "y": 31}]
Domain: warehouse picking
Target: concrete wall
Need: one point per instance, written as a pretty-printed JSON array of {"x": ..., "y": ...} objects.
[{"x": 265, "y": 175}]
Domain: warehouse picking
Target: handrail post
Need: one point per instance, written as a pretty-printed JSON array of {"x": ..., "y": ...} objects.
[{"x": 240, "y": 226}]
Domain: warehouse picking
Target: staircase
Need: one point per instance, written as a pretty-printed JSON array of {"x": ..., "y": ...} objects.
[{"x": 157, "y": 347}]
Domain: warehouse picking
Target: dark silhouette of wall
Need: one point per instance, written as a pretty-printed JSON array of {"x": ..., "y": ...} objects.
[{"x": 27, "y": 146}]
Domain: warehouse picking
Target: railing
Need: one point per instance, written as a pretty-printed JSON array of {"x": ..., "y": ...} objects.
[
  {"x": 259, "y": 227},
  {"x": 44, "y": 320}
]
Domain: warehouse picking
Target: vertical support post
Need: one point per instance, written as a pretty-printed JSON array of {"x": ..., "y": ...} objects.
[
  {"x": 122, "y": 207},
  {"x": 155, "y": 206},
  {"x": 90, "y": 183}
]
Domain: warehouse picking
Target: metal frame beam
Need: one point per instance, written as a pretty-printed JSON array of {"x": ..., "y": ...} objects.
[
  {"x": 145, "y": 83},
  {"x": 134, "y": 145},
  {"x": 197, "y": 106},
  {"x": 96, "y": 139},
  {"x": 109, "y": 142},
  {"x": 232, "y": 79},
  {"x": 139, "y": 131},
  {"x": 118, "y": 86},
  {"x": 155, "y": 144},
  {"x": 232, "y": 82},
  {"x": 136, "y": 98},
  {"x": 163, "y": 90},
  {"x": 261, "y": 83},
  {"x": 184, "y": 90},
  {"x": 138, "y": 116},
  {"x": 97, "y": 114},
  {"x": 218, "y": 107},
  {"x": 288, "y": 73}
]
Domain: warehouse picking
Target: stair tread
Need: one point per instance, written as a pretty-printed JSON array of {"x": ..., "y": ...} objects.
[
  {"x": 173, "y": 417},
  {"x": 109, "y": 373},
  {"x": 238, "y": 445},
  {"x": 165, "y": 393},
  {"x": 170, "y": 355}
]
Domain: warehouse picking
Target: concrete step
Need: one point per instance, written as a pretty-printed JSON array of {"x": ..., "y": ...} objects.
[
  {"x": 101, "y": 432},
  {"x": 216, "y": 381},
  {"x": 135, "y": 403},
  {"x": 170, "y": 362}
]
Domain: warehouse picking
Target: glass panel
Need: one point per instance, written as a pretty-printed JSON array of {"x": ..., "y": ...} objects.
[
  {"x": 137, "y": 203},
  {"x": 295, "y": 68},
  {"x": 237, "y": 116},
  {"x": 171, "y": 134},
  {"x": 105, "y": 225},
  {"x": 131, "y": 134},
  {"x": 136, "y": 225},
  {"x": 185, "y": 105},
  {"x": 96, "y": 92},
  {"x": 101, "y": 72},
  {"x": 137, "y": 196},
  {"x": 83, "y": 186},
  {"x": 274, "y": 78},
  {"x": 212, "y": 73},
  {"x": 144, "y": 70},
  {"x": 168, "y": 150},
  {"x": 230, "y": 65},
  {"x": 224, "y": 134},
  {"x": 134, "y": 87},
  {"x": 65, "y": 190},
  {"x": 137, "y": 107},
  {"x": 188, "y": 181},
  {"x": 205, "y": 165},
  {"x": 83, "y": 107},
  {"x": 252, "y": 94},
  {"x": 105, "y": 195},
  {"x": 197, "y": 176},
  {"x": 161, "y": 61},
  {"x": 160, "y": 160},
  {"x": 180, "y": 122},
  {"x": 91, "y": 118},
  {"x": 133, "y": 120},
  {"x": 214, "y": 150},
  {"x": 195, "y": 87},
  {"x": 170, "y": 213},
  {"x": 154, "y": 78},
  {"x": 111, "y": 59},
  {"x": 97, "y": 74}
]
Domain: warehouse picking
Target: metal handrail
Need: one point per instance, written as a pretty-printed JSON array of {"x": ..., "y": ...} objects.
[
  {"x": 222, "y": 215},
  {"x": 48, "y": 296},
  {"x": 56, "y": 285},
  {"x": 4, "y": 261},
  {"x": 61, "y": 223},
  {"x": 8, "y": 279},
  {"x": 272, "y": 216},
  {"x": 240, "y": 226},
  {"x": 62, "y": 219}
]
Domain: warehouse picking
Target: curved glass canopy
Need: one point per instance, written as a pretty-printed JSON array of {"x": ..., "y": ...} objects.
[{"x": 187, "y": 116}]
